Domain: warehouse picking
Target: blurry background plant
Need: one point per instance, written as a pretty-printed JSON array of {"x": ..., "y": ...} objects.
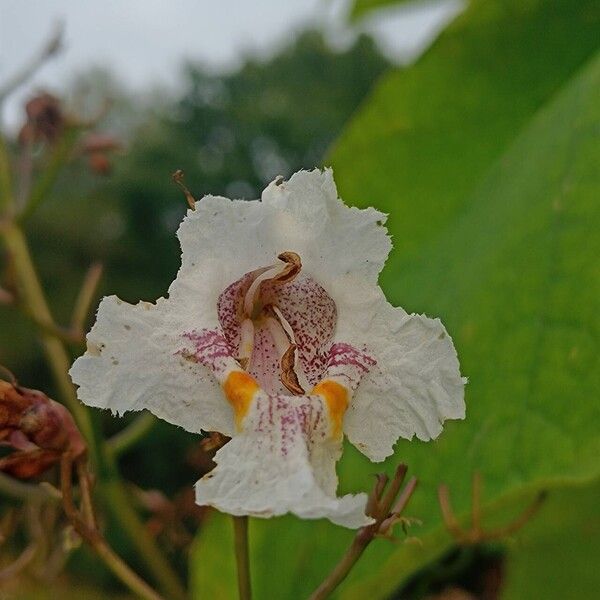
[{"x": 486, "y": 153}]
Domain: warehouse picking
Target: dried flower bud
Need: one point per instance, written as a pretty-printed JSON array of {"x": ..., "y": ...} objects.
[
  {"x": 45, "y": 120},
  {"x": 97, "y": 146},
  {"x": 99, "y": 163},
  {"x": 39, "y": 430},
  {"x": 100, "y": 142}
]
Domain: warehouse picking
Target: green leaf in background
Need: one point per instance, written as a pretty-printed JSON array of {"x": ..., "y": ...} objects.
[
  {"x": 428, "y": 134},
  {"x": 361, "y": 7},
  {"x": 556, "y": 556},
  {"x": 517, "y": 281},
  {"x": 212, "y": 561}
]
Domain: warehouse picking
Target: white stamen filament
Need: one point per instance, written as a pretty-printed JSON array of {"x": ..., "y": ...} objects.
[
  {"x": 253, "y": 290},
  {"x": 246, "y": 342}
]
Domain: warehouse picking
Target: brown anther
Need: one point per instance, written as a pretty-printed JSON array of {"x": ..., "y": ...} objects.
[
  {"x": 178, "y": 179},
  {"x": 292, "y": 268},
  {"x": 289, "y": 378}
]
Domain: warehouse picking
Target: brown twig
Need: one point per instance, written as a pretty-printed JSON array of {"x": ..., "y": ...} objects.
[
  {"x": 384, "y": 517},
  {"x": 85, "y": 487},
  {"x": 15, "y": 567},
  {"x": 94, "y": 538},
  {"x": 49, "y": 49},
  {"x": 519, "y": 521},
  {"x": 64, "y": 334}
]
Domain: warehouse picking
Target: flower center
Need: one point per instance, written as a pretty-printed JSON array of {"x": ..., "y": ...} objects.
[{"x": 279, "y": 323}]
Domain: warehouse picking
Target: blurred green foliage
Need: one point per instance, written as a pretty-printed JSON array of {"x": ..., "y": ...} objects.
[{"x": 361, "y": 8}]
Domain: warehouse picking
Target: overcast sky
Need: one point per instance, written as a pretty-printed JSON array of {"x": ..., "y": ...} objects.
[{"x": 145, "y": 41}]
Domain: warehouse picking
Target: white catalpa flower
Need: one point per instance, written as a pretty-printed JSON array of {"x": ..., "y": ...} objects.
[{"x": 276, "y": 333}]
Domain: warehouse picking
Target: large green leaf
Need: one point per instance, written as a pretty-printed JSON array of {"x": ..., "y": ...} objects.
[
  {"x": 518, "y": 283},
  {"x": 361, "y": 7},
  {"x": 428, "y": 134},
  {"x": 556, "y": 556}
]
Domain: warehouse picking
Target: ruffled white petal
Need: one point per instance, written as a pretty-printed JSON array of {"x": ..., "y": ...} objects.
[
  {"x": 132, "y": 364},
  {"x": 303, "y": 215},
  {"x": 416, "y": 384},
  {"x": 332, "y": 238},
  {"x": 272, "y": 467}
]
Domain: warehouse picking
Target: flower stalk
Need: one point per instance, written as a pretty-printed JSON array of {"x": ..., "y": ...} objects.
[
  {"x": 242, "y": 557},
  {"x": 385, "y": 514},
  {"x": 86, "y": 528}
]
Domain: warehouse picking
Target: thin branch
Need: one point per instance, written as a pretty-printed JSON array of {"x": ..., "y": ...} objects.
[
  {"x": 6, "y": 195},
  {"x": 85, "y": 297},
  {"x": 519, "y": 522},
  {"x": 448, "y": 515},
  {"x": 395, "y": 485},
  {"x": 384, "y": 517},
  {"x": 49, "y": 49},
  {"x": 476, "y": 534},
  {"x": 15, "y": 567},
  {"x": 130, "y": 435},
  {"x": 405, "y": 496},
  {"x": 45, "y": 182},
  {"x": 67, "y": 336},
  {"x": 85, "y": 486},
  {"x": 23, "y": 491},
  {"x": 242, "y": 557},
  {"x": 95, "y": 540}
]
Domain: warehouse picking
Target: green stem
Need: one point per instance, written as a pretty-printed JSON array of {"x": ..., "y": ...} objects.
[
  {"x": 342, "y": 569},
  {"x": 242, "y": 557},
  {"x": 130, "y": 435},
  {"x": 56, "y": 355},
  {"x": 58, "y": 158},
  {"x": 9, "y": 486},
  {"x": 120, "y": 507},
  {"x": 6, "y": 199}
]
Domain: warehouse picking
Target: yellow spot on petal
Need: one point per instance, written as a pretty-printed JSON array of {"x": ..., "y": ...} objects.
[
  {"x": 336, "y": 398},
  {"x": 239, "y": 388}
]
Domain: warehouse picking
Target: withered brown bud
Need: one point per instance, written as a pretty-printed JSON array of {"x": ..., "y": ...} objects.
[
  {"x": 45, "y": 120},
  {"x": 38, "y": 429},
  {"x": 101, "y": 142},
  {"x": 97, "y": 146},
  {"x": 99, "y": 163}
]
